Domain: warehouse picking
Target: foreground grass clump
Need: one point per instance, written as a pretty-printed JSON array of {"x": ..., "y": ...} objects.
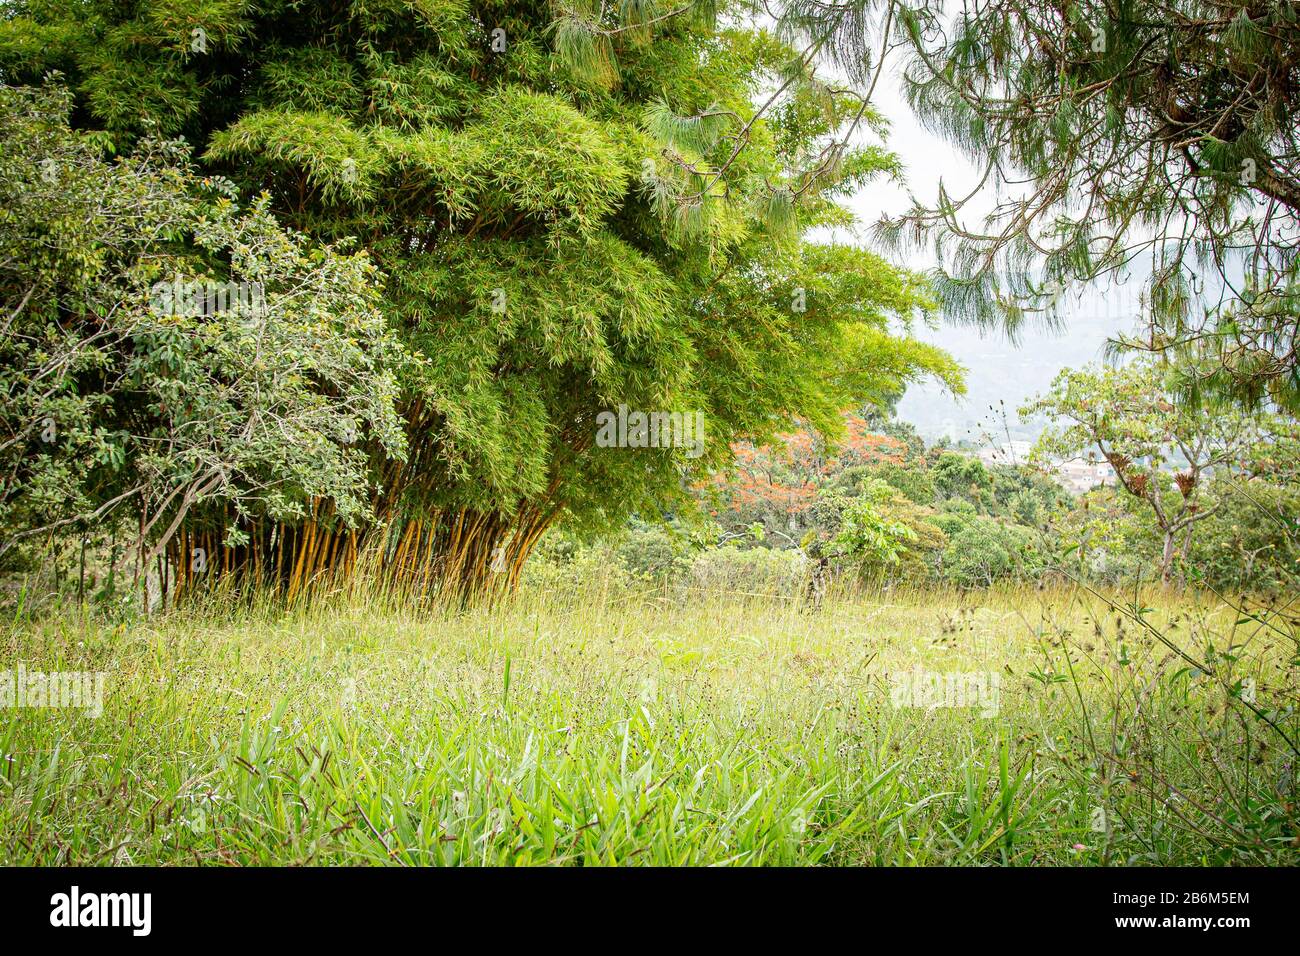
[{"x": 661, "y": 730}]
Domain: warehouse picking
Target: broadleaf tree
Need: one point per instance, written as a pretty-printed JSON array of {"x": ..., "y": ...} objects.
[
  {"x": 166, "y": 352},
  {"x": 1163, "y": 452}
]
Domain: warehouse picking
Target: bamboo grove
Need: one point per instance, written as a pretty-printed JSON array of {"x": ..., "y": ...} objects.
[{"x": 549, "y": 243}]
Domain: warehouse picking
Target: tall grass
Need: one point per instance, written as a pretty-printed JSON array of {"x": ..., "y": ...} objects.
[{"x": 602, "y": 726}]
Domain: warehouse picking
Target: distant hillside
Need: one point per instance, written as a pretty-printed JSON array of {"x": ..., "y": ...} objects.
[{"x": 1011, "y": 373}]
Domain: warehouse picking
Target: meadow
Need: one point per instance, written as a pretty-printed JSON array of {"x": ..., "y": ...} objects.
[{"x": 663, "y": 726}]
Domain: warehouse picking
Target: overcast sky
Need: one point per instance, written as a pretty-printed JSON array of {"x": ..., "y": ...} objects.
[{"x": 998, "y": 370}]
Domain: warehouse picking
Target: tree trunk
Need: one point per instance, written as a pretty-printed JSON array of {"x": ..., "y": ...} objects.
[{"x": 1167, "y": 558}]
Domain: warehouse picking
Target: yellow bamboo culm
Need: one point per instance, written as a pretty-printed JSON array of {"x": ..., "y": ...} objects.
[
  {"x": 304, "y": 545},
  {"x": 465, "y": 551}
]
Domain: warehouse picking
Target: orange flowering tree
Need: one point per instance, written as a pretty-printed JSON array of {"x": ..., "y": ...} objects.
[{"x": 775, "y": 485}]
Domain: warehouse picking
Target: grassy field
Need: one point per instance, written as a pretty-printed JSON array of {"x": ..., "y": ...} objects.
[{"x": 662, "y": 728}]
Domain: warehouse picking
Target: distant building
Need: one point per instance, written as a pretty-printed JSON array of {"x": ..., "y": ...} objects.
[
  {"x": 1079, "y": 476},
  {"x": 1007, "y": 453},
  {"x": 1076, "y": 475}
]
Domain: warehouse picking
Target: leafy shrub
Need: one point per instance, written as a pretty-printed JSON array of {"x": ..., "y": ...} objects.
[
  {"x": 910, "y": 480},
  {"x": 957, "y": 476},
  {"x": 983, "y": 550},
  {"x": 871, "y": 532},
  {"x": 653, "y": 553},
  {"x": 752, "y": 570},
  {"x": 562, "y": 564},
  {"x": 875, "y": 532},
  {"x": 1249, "y": 542},
  {"x": 955, "y": 516},
  {"x": 136, "y": 393}
]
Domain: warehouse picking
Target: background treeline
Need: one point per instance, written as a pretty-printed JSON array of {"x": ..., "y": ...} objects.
[{"x": 881, "y": 507}]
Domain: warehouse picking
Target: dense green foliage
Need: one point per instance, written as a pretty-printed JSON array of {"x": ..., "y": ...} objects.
[
  {"x": 328, "y": 307},
  {"x": 132, "y": 393},
  {"x": 510, "y": 201}
]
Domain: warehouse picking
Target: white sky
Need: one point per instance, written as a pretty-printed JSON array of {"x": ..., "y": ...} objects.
[{"x": 998, "y": 370}]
